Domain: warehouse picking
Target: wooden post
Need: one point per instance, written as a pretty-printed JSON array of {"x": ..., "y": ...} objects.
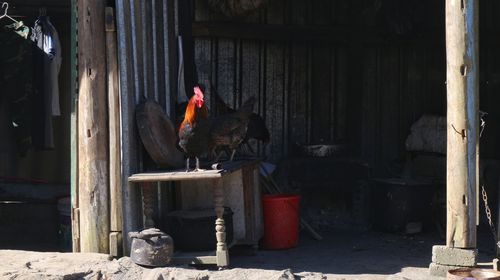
[
  {"x": 93, "y": 162},
  {"x": 75, "y": 216},
  {"x": 221, "y": 252},
  {"x": 462, "y": 121},
  {"x": 115, "y": 183}
]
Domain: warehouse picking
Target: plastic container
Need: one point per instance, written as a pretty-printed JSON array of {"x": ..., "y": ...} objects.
[{"x": 281, "y": 221}]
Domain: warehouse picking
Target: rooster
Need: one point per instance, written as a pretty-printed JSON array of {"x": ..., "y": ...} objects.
[
  {"x": 229, "y": 130},
  {"x": 194, "y": 131}
]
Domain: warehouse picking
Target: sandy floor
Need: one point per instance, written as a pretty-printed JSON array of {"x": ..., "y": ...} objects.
[{"x": 340, "y": 255}]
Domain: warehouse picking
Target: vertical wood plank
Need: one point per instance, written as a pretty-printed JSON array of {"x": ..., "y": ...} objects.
[
  {"x": 286, "y": 98},
  {"x": 75, "y": 221},
  {"x": 436, "y": 80},
  {"x": 93, "y": 129},
  {"x": 115, "y": 241},
  {"x": 274, "y": 83},
  {"x": 369, "y": 107},
  {"x": 114, "y": 123},
  {"x": 274, "y": 98},
  {"x": 249, "y": 76},
  {"x": 320, "y": 98},
  {"x": 321, "y": 83},
  {"x": 226, "y": 69},
  {"x": 298, "y": 92},
  {"x": 250, "y": 70},
  {"x": 414, "y": 88},
  {"x": 389, "y": 110},
  {"x": 405, "y": 101},
  {"x": 341, "y": 92}
]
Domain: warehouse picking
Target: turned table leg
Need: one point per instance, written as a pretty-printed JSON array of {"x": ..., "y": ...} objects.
[
  {"x": 222, "y": 253},
  {"x": 147, "y": 204}
]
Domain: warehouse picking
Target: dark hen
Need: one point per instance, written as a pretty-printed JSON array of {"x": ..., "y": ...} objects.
[
  {"x": 229, "y": 130},
  {"x": 256, "y": 126}
]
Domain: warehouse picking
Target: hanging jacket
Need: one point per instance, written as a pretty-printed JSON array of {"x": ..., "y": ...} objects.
[{"x": 45, "y": 36}]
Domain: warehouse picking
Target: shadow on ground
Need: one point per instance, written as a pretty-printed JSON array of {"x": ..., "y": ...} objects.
[{"x": 344, "y": 252}]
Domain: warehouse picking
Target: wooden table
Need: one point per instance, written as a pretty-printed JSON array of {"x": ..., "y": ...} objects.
[{"x": 146, "y": 182}]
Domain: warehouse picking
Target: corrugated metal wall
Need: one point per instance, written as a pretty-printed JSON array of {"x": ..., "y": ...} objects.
[
  {"x": 365, "y": 91},
  {"x": 147, "y": 63}
]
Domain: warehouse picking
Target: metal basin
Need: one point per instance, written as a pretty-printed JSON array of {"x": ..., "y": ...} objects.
[{"x": 473, "y": 274}]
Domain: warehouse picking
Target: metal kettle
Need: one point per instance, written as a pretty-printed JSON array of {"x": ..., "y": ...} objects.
[{"x": 151, "y": 247}]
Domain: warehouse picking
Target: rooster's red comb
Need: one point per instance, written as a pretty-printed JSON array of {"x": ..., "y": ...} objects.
[{"x": 198, "y": 92}]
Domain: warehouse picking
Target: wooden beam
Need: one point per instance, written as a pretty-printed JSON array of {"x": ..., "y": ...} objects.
[
  {"x": 115, "y": 244},
  {"x": 271, "y": 32},
  {"x": 115, "y": 194},
  {"x": 462, "y": 72},
  {"x": 306, "y": 33},
  {"x": 75, "y": 224},
  {"x": 115, "y": 182},
  {"x": 93, "y": 163}
]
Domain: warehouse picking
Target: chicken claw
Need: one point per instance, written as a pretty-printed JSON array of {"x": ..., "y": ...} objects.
[{"x": 198, "y": 165}]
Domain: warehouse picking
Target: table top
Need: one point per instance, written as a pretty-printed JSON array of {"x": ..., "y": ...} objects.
[{"x": 181, "y": 174}]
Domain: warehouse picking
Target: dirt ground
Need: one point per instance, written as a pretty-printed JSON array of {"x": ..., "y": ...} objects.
[
  {"x": 351, "y": 255},
  {"x": 340, "y": 255}
]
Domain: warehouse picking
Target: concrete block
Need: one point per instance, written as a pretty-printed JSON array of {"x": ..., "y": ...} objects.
[
  {"x": 454, "y": 256},
  {"x": 440, "y": 270}
]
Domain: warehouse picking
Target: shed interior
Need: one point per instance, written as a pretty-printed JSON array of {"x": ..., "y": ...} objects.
[
  {"x": 352, "y": 76},
  {"x": 34, "y": 177}
]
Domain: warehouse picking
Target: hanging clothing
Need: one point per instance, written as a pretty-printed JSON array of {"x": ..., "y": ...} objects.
[
  {"x": 45, "y": 36},
  {"x": 47, "y": 39}
]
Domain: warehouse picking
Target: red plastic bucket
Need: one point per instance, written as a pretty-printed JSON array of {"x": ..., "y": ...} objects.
[{"x": 281, "y": 221}]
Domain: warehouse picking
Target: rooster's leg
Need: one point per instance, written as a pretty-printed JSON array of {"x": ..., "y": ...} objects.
[
  {"x": 198, "y": 165},
  {"x": 187, "y": 164}
]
